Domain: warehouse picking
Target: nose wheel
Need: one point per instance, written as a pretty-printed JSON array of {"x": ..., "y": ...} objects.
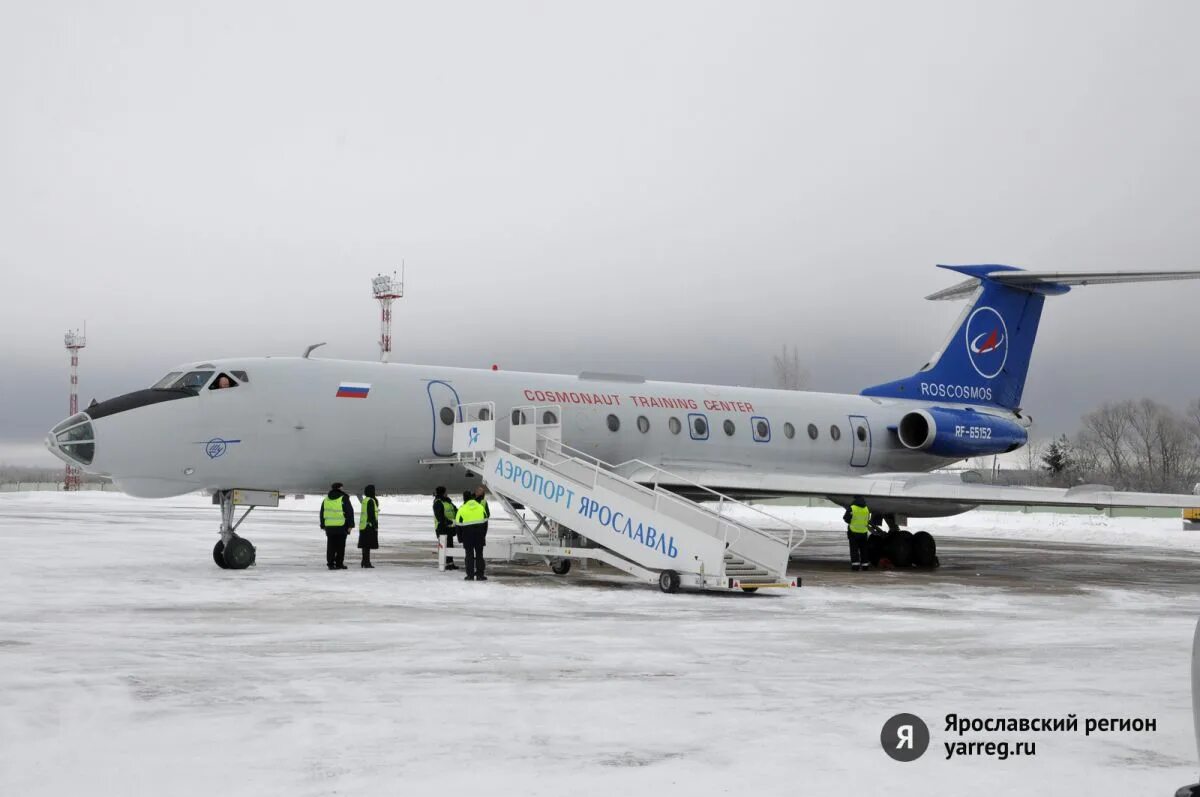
[
  {"x": 231, "y": 551},
  {"x": 237, "y": 554}
]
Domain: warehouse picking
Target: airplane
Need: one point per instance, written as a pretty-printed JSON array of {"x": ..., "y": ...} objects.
[{"x": 296, "y": 424}]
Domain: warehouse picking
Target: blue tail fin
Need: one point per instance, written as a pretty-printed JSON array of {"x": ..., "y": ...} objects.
[{"x": 986, "y": 357}]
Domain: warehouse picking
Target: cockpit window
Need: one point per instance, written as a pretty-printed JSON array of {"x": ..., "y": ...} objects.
[
  {"x": 75, "y": 439},
  {"x": 222, "y": 382},
  {"x": 166, "y": 381},
  {"x": 192, "y": 380},
  {"x": 240, "y": 376}
]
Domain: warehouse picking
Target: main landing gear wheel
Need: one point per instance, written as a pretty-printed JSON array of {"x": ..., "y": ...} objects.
[
  {"x": 668, "y": 581},
  {"x": 219, "y": 555},
  {"x": 900, "y": 548},
  {"x": 750, "y": 590},
  {"x": 924, "y": 550},
  {"x": 239, "y": 553},
  {"x": 561, "y": 567},
  {"x": 876, "y": 548}
]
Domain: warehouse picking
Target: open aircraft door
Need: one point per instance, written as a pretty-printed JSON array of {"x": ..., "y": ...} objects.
[
  {"x": 860, "y": 440},
  {"x": 443, "y": 401}
]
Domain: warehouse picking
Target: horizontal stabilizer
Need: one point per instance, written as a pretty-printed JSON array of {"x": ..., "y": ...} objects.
[{"x": 1058, "y": 281}]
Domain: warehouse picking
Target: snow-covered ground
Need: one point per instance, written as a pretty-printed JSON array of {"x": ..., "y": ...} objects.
[{"x": 130, "y": 664}]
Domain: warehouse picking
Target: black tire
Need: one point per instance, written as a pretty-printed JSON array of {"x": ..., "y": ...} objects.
[
  {"x": 750, "y": 590},
  {"x": 876, "y": 548},
  {"x": 239, "y": 553},
  {"x": 668, "y": 581},
  {"x": 900, "y": 548},
  {"x": 924, "y": 550},
  {"x": 561, "y": 567},
  {"x": 219, "y": 555}
]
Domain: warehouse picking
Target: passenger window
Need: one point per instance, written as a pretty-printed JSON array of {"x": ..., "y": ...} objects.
[
  {"x": 518, "y": 418},
  {"x": 674, "y": 425},
  {"x": 485, "y": 414},
  {"x": 222, "y": 382},
  {"x": 447, "y": 415},
  {"x": 729, "y": 427},
  {"x": 835, "y": 432},
  {"x": 862, "y": 434},
  {"x": 549, "y": 418},
  {"x": 762, "y": 429},
  {"x": 789, "y": 431},
  {"x": 614, "y": 423},
  {"x": 643, "y": 424},
  {"x": 697, "y": 426},
  {"x": 240, "y": 376},
  {"x": 812, "y": 431}
]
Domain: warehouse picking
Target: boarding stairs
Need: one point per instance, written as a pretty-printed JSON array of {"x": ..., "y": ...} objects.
[{"x": 585, "y": 509}]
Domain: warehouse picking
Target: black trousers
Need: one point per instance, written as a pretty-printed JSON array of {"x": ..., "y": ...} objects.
[
  {"x": 335, "y": 546},
  {"x": 472, "y": 543},
  {"x": 858, "y": 549}
]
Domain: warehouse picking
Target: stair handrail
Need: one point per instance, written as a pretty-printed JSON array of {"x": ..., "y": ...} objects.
[{"x": 722, "y": 499}]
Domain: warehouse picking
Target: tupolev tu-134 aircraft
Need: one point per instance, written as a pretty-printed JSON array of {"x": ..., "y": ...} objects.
[{"x": 296, "y": 424}]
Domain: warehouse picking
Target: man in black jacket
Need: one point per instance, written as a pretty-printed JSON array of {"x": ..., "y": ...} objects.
[
  {"x": 337, "y": 519},
  {"x": 444, "y": 511}
]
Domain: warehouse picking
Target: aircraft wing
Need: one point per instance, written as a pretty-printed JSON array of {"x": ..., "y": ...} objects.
[{"x": 900, "y": 490}]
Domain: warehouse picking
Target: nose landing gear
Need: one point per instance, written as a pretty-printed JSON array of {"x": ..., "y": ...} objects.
[{"x": 231, "y": 551}]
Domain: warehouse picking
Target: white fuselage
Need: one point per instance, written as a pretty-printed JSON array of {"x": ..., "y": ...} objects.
[{"x": 287, "y": 429}]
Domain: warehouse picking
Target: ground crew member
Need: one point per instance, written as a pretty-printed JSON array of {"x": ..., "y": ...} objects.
[
  {"x": 468, "y": 520},
  {"x": 444, "y": 512},
  {"x": 858, "y": 531},
  {"x": 368, "y": 524},
  {"x": 337, "y": 518},
  {"x": 480, "y": 490}
]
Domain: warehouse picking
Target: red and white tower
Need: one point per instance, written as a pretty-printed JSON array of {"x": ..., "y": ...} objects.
[
  {"x": 386, "y": 290},
  {"x": 74, "y": 341}
]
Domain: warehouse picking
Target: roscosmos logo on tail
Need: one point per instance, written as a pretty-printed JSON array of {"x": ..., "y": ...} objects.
[{"x": 987, "y": 342}]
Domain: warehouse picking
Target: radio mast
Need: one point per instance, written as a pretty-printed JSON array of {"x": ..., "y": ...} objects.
[
  {"x": 73, "y": 341},
  {"x": 387, "y": 289}
]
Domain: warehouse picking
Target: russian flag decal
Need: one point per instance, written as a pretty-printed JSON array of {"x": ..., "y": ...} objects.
[{"x": 353, "y": 389}]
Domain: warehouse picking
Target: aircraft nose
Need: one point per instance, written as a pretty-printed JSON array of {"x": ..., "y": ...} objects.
[{"x": 73, "y": 440}]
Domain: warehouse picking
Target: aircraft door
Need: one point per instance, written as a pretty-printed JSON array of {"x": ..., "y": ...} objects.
[
  {"x": 443, "y": 406},
  {"x": 860, "y": 440}
]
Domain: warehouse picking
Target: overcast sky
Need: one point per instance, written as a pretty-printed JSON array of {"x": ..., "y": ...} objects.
[{"x": 673, "y": 189}]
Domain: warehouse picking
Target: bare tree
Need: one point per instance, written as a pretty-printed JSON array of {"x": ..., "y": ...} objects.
[
  {"x": 789, "y": 374},
  {"x": 1032, "y": 462},
  {"x": 1162, "y": 443},
  {"x": 1192, "y": 415},
  {"x": 1105, "y": 437}
]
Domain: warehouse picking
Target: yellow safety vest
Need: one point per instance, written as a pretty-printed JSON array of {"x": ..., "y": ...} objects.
[
  {"x": 332, "y": 513},
  {"x": 469, "y": 514},
  {"x": 860, "y": 516},
  {"x": 362, "y": 514},
  {"x": 447, "y": 505}
]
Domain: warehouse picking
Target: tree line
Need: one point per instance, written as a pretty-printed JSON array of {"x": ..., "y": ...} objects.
[
  {"x": 1130, "y": 445},
  {"x": 14, "y": 474}
]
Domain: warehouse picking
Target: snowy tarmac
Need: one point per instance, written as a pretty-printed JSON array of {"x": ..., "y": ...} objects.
[{"x": 130, "y": 664}]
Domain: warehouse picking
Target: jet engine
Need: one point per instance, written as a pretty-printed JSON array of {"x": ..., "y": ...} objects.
[{"x": 960, "y": 434}]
